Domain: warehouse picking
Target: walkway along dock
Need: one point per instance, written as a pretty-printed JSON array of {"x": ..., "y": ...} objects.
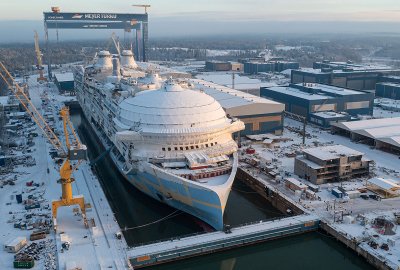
[{"x": 177, "y": 249}]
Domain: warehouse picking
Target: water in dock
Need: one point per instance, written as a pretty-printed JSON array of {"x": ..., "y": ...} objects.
[
  {"x": 306, "y": 251},
  {"x": 133, "y": 208}
]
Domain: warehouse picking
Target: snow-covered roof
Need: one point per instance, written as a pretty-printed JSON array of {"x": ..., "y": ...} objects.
[
  {"x": 4, "y": 100},
  {"x": 384, "y": 183},
  {"x": 390, "y": 84},
  {"x": 309, "y": 163},
  {"x": 332, "y": 152},
  {"x": 64, "y": 77},
  {"x": 371, "y": 123},
  {"x": 385, "y": 129},
  {"x": 236, "y": 102},
  {"x": 331, "y": 89},
  {"x": 329, "y": 114},
  {"x": 298, "y": 93}
]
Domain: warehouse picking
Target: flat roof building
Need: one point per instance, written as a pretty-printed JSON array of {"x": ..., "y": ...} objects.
[
  {"x": 260, "y": 115},
  {"x": 269, "y": 66},
  {"x": 65, "y": 82},
  {"x": 306, "y": 99},
  {"x": 214, "y": 65},
  {"x": 388, "y": 90},
  {"x": 382, "y": 133},
  {"x": 332, "y": 163},
  {"x": 352, "y": 78},
  {"x": 386, "y": 187}
]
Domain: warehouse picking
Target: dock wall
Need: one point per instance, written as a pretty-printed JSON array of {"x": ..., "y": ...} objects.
[
  {"x": 277, "y": 199},
  {"x": 378, "y": 263}
]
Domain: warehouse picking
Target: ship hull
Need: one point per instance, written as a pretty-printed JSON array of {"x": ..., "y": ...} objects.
[{"x": 179, "y": 193}]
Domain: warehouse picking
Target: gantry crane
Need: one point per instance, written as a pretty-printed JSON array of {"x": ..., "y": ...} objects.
[
  {"x": 143, "y": 6},
  {"x": 74, "y": 150},
  {"x": 41, "y": 78}
]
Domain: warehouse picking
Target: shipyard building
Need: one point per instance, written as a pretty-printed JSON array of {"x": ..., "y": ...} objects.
[
  {"x": 381, "y": 133},
  {"x": 332, "y": 163},
  {"x": 388, "y": 90},
  {"x": 65, "y": 83},
  {"x": 256, "y": 67},
  {"x": 260, "y": 115},
  {"x": 353, "y": 78},
  {"x": 215, "y": 65},
  {"x": 311, "y": 99}
]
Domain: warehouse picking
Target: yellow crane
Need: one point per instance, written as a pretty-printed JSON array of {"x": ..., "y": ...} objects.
[
  {"x": 41, "y": 78},
  {"x": 143, "y": 6},
  {"x": 74, "y": 150}
]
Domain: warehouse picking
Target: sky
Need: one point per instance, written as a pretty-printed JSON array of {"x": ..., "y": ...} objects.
[{"x": 180, "y": 17}]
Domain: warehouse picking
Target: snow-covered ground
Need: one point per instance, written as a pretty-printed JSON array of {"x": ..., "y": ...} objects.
[
  {"x": 365, "y": 230},
  {"x": 329, "y": 207},
  {"x": 92, "y": 248}
]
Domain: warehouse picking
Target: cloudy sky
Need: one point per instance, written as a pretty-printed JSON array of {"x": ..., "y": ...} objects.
[
  {"x": 218, "y": 16},
  {"x": 305, "y": 10}
]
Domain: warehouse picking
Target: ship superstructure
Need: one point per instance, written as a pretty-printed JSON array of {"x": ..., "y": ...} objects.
[{"x": 172, "y": 143}]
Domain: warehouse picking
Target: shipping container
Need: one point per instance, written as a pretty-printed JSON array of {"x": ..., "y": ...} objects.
[
  {"x": 337, "y": 193},
  {"x": 25, "y": 264},
  {"x": 37, "y": 236},
  {"x": 19, "y": 198}
]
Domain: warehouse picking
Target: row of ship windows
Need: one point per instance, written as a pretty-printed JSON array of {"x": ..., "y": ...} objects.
[{"x": 192, "y": 147}]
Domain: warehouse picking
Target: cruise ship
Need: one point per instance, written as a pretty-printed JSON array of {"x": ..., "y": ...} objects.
[{"x": 171, "y": 142}]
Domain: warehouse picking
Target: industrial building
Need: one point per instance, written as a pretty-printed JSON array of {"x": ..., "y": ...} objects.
[
  {"x": 388, "y": 90},
  {"x": 325, "y": 119},
  {"x": 65, "y": 83},
  {"x": 348, "y": 77},
  {"x": 260, "y": 115},
  {"x": 9, "y": 104},
  {"x": 223, "y": 66},
  {"x": 349, "y": 65},
  {"x": 388, "y": 188},
  {"x": 390, "y": 79},
  {"x": 217, "y": 66},
  {"x": 307, "y": 98},
  {"x": 332, "y": 163},
  {"x": 382, "y": 133},
  {"x": 256, "y": 67}
]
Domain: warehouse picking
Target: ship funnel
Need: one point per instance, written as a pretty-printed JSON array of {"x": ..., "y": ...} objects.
[
  {"x": 116, "y": 67},
  {"x": 127, "y": 60},
  {"x": 104, "y": 60}
]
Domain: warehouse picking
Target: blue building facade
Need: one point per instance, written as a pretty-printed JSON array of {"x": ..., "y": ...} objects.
[
  {"x": 273, "y": 66},
  {"x": 346, "y": 78},
  {"x": 306, "y": 99},
  {"x": 388, "y": 90}
]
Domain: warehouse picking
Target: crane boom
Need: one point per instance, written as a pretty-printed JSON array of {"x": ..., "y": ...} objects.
[
  {"x": 75, "y": 150},
  {"x": 143, "y": 6},
  {"x": 30, "y": 108},
  {"x": 39, "y": 58}
]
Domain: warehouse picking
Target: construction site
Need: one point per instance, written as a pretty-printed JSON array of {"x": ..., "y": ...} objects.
[{"x": 66, "y": 202}]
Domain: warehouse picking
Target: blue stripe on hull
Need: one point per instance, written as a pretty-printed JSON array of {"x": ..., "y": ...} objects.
[{"x": 200, "y": 199}]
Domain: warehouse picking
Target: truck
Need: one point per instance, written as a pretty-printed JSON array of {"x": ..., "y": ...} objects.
[{"x": 32, "y": 206}]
